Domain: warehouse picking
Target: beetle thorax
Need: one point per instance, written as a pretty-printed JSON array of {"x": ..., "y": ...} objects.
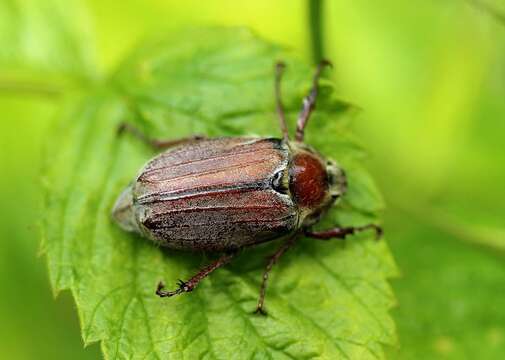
[
  {"x": 314, "y": 183},
  {"x": 309, "y": 184}
]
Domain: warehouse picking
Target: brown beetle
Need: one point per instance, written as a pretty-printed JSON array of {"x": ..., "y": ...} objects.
[{"x": 228, "y": 193}]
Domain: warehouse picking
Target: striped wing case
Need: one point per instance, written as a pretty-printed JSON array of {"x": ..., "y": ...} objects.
[{"x": 215, "y": 195}]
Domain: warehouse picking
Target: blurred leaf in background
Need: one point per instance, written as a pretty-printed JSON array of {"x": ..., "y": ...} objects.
[
  {"x": 429, "y": 77},
  {"x": 45, "y": 45},
  {"x": 46, "y": 50}
]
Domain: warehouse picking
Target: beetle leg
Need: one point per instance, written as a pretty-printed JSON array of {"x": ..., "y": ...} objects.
[
  {"x": 271, "y": 262},
  {"x": 279, "y": 69},
  {"x": 341, "y": 232},
  {"x": 187, "y": 286},
  {"x": 309, "y": 102},
  {"x": 156, "y": 143}
]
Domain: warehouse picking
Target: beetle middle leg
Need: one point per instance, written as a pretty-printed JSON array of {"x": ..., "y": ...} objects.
[
  {"x": 309, "y": 102},
  {"x": 271, "y": 262},
  {"x": 156, "y": 143},
  {"x": 342, "y": 232},
  {"x": 187, "y": 286}
]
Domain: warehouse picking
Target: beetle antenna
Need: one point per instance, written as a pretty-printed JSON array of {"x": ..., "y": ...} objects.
[
  {"x": 279, "y": 70},
  {"x": 309, "y": 102}
]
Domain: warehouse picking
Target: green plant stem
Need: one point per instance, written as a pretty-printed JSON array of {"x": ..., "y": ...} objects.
[{"x": 316, "y": 29}]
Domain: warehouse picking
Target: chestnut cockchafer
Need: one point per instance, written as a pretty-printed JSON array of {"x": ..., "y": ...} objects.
[{"x": 224, "y": 194}]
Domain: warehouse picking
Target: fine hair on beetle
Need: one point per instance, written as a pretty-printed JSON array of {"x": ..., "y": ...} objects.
[{"x": 228, "y": 193}]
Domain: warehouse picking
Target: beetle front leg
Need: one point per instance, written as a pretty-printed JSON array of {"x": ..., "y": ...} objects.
[
  {"x": 271, "y": 262},
  {"x": 309, "y": 102},
  {"x": 187, "y": 286},
  {"x": 156, "y": 143},
  {"x": 279, "y": 69},
  {"x": 342, "y": 232}
]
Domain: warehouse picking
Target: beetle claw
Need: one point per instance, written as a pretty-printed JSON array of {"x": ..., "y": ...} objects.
[
  {"x": 161, "y": 293},
  {"x": 378, "y": 230},
  {"x": 159, "y": 289}
]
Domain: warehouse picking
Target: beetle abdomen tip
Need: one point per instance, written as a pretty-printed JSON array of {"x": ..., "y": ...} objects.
[{"x": 122, "y": 212}]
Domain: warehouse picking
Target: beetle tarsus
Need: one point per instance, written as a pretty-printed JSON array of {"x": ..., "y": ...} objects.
[
  {"x": 183, "y": 287},
  {"x": 188, "y": 286},
  {"x": 342, "y": 232},
  {"x": 378, "y": 230}
]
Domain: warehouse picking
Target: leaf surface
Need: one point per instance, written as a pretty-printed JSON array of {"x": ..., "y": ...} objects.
[{"x": 324, "y": 299}]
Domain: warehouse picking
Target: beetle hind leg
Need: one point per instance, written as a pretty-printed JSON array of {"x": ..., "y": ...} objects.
[{"x": 187, "y": 286}]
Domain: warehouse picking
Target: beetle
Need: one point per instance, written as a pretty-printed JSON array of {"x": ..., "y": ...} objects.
[{"x": 225, "y": 194}]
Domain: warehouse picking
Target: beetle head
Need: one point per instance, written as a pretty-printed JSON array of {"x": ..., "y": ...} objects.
[{"x": 315, "y": 183}]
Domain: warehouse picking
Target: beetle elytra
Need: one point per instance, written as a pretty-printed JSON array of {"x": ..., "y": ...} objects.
[{"x": 228, "y": 193}]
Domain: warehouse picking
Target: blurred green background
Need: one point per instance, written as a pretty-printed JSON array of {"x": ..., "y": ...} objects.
[{"x": 429, "y": 77}]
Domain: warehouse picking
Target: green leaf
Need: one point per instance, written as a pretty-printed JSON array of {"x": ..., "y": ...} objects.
[{"x": 324, "y": 299}]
